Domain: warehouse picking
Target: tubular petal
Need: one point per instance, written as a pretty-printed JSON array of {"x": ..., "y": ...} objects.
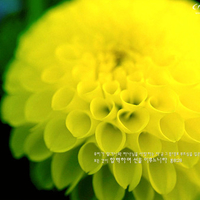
[
  {"x": 192, "y": 128},
  {"x": 191, "y": 99},
  {"x": 89, "y": 90},
  {"x": 182, "y": 150},
  {"x": 153, "y": 126},
  {"x": 158, "y": 78},
  {"x": 38, "y": 106},
  {"x": 164, "y": 101},
  {"x": 139, "y": 190},
  {"x": 170, "y": 147},
  {"x": 149, "y": 143},
  {"x": 120, "y": 76},
  {"x": 111, "y": 90},
  {"x": 185, "y": 191},
  {"x": 158, "y": 196},
  {"x": 133, "y": 97},
  {"x": 132, "y": 142},
  {"x": 62, "y": 98},
  {"x": 103, "y": 109},
  {"x": 195, "y": 174},
  {"x": 104, "y": 184},
  {"x": 83, "y": 73},
  {"x": 162, "y": 176},
  {"x": 83, "y": 129},
  {"x": 188, "y": 161},
  {"x": 133, "y": 122},
  {"x": 109, "y": 137},
  {"x": 65, "y": 168},
  {"x": 186, "y": 73},
  {"x": 172, "y": 126},
  {"x": 128, "y": 173},
  {"x": 86, "y": 158},
  {"x": 35, "y": 148},
  {"x": 133, "y": 78},
  {"x": 57, "y": 137}
]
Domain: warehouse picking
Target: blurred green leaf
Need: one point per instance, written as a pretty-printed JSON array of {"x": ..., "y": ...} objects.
[
  {"x": 10, "y": 28},
  {"x": 35, "y": 8}
]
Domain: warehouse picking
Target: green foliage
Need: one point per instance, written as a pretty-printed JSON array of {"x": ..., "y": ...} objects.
[
  {"x": 10, "y": 28},
  {"x": 104, "y": 184}
]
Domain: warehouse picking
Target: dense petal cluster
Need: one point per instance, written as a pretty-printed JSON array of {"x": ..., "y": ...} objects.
[{"x": 93, "y": 80}]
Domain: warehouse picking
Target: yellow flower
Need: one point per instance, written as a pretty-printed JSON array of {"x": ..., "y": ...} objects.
[{"x": 104, "y": 97}]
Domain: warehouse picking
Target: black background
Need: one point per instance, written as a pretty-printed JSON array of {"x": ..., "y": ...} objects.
[{"x": 14, "y": 178}]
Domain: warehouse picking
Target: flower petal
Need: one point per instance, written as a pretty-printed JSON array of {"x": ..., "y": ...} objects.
[
  {"x": 103, "y": 109},
  {"x": 162, "y": 176},
  {"x": 17, "y": 139},
  {"x": 62, "y": 98},
  {"x": 57, "y": 137},
  {"x": 139, "y": 190},
  {"x": 12, "y": 82},
  {"x": 35, "y": 147},
  {"x": 86, "y": 158},
  {"x": 41, "y": 174},
  {"x": 133, "y": 122},
  {"x": 120, "y": 76},
  {"x": 185, "y": 73},
  {"x": 112, "y": 91},
  {"x": 13, "y": 111},
  {"x": 52, "y": 74},
  {"x": 38, "y": 106},
  {"x": 185, "y": 188},
  {"x": 160, "y": 103},
  {"x": 188, "y": 161},
  {"x": 192, "y": 127},
  {"x": 172, "y": 126},
  {"x": 83, "y": 129},
  {"x": 105, "y": 185},
  {"x": 149, "y": 143},
  {"x": 65, "y": 168},
  {"x": 133, "y": 97},
  {"x": 190, "y": 99},
  {"x": 128, "y": 173},
  {"x": 89, "y": 90},
  {"x": 81, "y": 193},
  {"x": 109, "y": 137},
  {"x": 31, "y": 79}
]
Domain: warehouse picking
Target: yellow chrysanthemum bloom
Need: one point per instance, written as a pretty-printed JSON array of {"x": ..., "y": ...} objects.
[{"x": 104, "y": 98}]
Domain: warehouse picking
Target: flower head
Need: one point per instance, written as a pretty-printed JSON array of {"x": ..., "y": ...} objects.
[{"x": 104, "y": 96}]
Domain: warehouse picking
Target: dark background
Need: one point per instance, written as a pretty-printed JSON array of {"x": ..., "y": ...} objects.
[{"x": 15, "y": 17}]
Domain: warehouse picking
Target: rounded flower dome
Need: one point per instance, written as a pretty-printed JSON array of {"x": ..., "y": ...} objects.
[{"x": 103, "y": 96}]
